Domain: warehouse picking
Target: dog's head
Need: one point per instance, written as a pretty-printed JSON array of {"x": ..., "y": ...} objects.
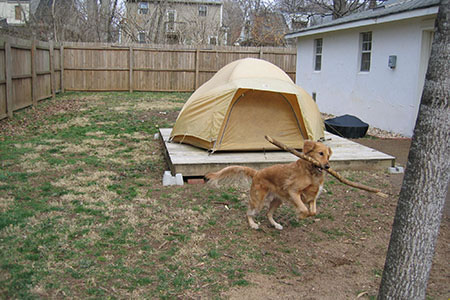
[{"x": 319, "y": 152}]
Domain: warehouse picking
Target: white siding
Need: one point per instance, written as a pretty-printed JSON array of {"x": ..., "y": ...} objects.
[
  {"x": 8, "y": 11},
  {"x": 385, "y": 98}
]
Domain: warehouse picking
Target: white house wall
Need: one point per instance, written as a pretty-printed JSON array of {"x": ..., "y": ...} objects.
[
  {"x": 385, "y": 98},
  {"x": 8, "y": 11}
]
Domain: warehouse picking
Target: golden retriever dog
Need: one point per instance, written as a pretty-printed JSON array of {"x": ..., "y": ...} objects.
[{"x": 299, "y": 183}]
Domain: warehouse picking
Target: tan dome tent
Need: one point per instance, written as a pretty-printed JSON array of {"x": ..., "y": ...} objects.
[{"x": 244, "y": 101}]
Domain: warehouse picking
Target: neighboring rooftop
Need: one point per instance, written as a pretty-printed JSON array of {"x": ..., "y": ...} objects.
[{"x": 391, "y": 7}]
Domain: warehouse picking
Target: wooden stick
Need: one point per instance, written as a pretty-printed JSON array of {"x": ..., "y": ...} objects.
[{"x": 330, "y": 170}]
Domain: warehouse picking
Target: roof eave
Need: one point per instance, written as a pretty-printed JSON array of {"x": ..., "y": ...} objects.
[{"x": 365, "y": 22}]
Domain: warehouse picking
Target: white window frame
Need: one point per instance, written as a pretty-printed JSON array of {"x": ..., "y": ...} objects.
[
  {"x": 211, "y": 37},
  {"x": 140, "y": 35},
  {"x": 202, "y": 10},
  {"x": 318, "y": 49},
  {"x": 171, "y": 25},
  {"x": 143, "y": 8},
  {"x": 365, "y": 57}
]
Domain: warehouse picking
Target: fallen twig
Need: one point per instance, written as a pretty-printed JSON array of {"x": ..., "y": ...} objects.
[{"x": 330, "y": 170}]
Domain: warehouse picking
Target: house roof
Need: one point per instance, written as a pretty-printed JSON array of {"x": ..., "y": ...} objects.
[{"x": 392, "y": 10}]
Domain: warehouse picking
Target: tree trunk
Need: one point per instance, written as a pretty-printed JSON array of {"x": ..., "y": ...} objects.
[
  {"x": 112, "y": 15},
  {"x": 91, "y": 34},
  {"x": 424, "y": 189},
  {"x": 160, "y": 26}
]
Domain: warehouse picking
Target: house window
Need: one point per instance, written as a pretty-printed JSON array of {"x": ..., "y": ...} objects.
[
  {"x": 318, "y": 54},
  {"x": 202, "y": 9},
  {"x": 172, "y": 38},
  {"x": 213, "y": 40},
  {"x": 143, "y": 8},
  {"x": 18, "y": 11},
  {"x": 141, "y": 37},
  {"x": 171, "y": 16},
  {"x": 366, "y": 49}
]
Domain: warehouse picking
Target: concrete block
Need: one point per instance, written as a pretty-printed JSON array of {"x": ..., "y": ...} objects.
[
  {"x": 168, "y": 179},
  {"x": 179, "y": 179},
  {"x": 396, "y": 170}
]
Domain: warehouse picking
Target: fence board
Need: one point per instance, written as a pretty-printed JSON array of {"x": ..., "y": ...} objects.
[
  {"x": 22, "y": 93},
  {"x": 2, "y": 84},
  {"x": 8, "y": 81}
]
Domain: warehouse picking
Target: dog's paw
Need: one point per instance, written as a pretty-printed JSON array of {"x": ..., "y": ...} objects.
[
  {"x": 254, "y": 226},
  {"x": 278, "y": 226},
  {"x": 303, "y": 216}
]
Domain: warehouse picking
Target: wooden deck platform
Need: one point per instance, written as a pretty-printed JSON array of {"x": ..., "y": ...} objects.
[{"x": 193, "y": 162}]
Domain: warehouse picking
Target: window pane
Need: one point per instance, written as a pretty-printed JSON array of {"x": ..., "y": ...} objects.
[
  {"x": 143, "y": 7},
  {"x": 367, "y": 46},
  {"x": 202, "y": 10},
  {"x": 367, "y": 36},
  {"x": 318, "y": 45},
  {"x": 141, "y": 37},
  {"x": 18, "y": 11},
  {"x": 365, "y": 62},
  {"x": 318, "y": 64},
  {"x": 319, "y": 50},
  {"x": 171, "y": 16},
  {"x": 318, "y": 54},
  {"x": 366, "y": 49}
]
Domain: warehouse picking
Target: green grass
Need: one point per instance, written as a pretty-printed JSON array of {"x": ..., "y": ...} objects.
[
  {"x": 84, "y": 220},
  {"x": 83, "y": 213}
]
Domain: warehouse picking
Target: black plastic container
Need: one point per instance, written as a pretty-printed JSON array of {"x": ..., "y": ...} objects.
[{"x": 347, "y": 126}]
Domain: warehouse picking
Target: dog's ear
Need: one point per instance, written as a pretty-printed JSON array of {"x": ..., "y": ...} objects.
[
  {"x": 329, "y": 152},
  {"x": 308, "y": 146}
]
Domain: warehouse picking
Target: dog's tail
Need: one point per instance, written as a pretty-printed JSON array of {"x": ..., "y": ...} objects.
[{"x": 230, "y": 173}]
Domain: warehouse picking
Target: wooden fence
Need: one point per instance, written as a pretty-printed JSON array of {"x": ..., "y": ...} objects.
[
  {"x": 37, "y": 70},
  {"x": 30, "y": 71}
]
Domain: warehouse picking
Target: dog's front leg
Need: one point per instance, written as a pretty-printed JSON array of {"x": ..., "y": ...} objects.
[
  {"x": 273, "y": 206},
  {"x": 257, "y": 195},
  {"x": 309, "y": 196},
  {"x": 300, "y": 207},
  {"x": 312, "y": 208}
]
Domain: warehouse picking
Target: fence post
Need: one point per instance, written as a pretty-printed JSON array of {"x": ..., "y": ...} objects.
[
  {"x": 61, "y": 65},
  {"x": 52, "y": 68},
  {"x": 33, "y": 73},
  {"x": 197, "y": 66},
  {"x": 130, "y": 64},
  {"x": 8, "y": 75}
]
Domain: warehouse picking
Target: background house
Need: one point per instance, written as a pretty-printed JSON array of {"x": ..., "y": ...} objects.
[
  {"x": 370, "y": 64},
  {"x": 14, "y": 12},
  {"x": 187, "y": 22}
]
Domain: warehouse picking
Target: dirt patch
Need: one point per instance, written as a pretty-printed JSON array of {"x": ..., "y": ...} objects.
[
  {"x": 399, "y": 148},
  {"x": 338, "y": 269},
  {"x": 37, "y": 117}
]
